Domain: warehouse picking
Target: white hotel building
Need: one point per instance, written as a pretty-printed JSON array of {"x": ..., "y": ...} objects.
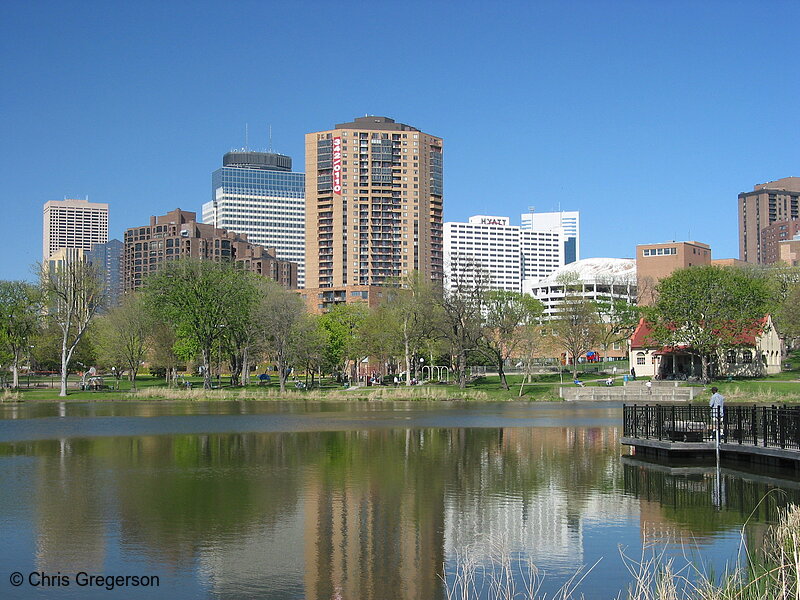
[{"x": 506, "y": 252}]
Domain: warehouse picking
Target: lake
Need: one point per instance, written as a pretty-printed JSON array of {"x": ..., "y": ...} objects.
[{"x": 353, "y": 500}]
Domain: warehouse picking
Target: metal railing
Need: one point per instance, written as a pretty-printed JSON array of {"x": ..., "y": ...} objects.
[{"x": 767, "y": 426}]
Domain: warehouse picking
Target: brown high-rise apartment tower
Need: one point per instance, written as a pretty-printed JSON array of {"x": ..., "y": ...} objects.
[
  {"x": 767, "y": 203},
  {"x": 373, "y": 209}
]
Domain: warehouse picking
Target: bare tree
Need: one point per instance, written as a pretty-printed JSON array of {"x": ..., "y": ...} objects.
[
  {"x": 275, "y": 316},
  {"x": 575, "y": 322},
  {"x": 73, "y": 292},
  {"x": 124, "y": 333},
  {"x": 413, "y": 305},
  {"x": 618, "y": 317},
  {"x": 462, "y": 306},
  {"x": 307, "y": 344},
  {"x": 164, "y": 350},
  {"x": 508, "y": 314}
]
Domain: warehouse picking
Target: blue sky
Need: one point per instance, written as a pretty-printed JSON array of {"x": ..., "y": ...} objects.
[{"x": 648, "y": 117}]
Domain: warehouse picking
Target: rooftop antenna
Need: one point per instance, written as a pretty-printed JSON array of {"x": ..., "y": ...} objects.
[
  {"x": 246, "y": 135},
  {"x": 270, "y": 138}
]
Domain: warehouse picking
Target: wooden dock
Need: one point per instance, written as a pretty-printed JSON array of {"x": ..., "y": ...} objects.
[{"x": 758, "y": 434}]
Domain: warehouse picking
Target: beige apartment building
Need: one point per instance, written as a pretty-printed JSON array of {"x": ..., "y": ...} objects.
[
  {"x": 789, "y": 251},
  {"x": 768, "y": 202},
  {"x": 773, "y": 235},
  {"x": 373, "y": 209},
  {"x": 656, "y": 261},
  {"x": 177, "y": 234},
  {"x": 73, "y": 224}
]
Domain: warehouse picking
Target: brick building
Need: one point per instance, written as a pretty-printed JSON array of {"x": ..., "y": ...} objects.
[{"x": 178, "y": 235}]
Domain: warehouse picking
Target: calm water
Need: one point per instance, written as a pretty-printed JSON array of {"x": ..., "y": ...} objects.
[{"x": 351, "y": 501}]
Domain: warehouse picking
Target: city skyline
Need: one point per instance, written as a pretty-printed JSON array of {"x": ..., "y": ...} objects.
[{"x": 639, "y": 117}]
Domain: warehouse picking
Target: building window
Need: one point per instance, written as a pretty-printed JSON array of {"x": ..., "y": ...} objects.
[
  {"x": 747, "y": 357},
  {"x": 731, "y": 357},
  {"x": 640, "y": 358}
]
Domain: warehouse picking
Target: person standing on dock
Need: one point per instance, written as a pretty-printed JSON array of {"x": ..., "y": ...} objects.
[{"x": 717, "y": 404}]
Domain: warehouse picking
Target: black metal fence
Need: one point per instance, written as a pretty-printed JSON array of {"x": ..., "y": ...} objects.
[{"x": 767, "y": 426}]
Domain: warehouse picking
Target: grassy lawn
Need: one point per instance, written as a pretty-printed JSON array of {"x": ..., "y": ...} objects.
[{"x": 781, "y": 388}]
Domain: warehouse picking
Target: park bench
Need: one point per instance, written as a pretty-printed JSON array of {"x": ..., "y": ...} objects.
[{"x": 685, "y": 431}]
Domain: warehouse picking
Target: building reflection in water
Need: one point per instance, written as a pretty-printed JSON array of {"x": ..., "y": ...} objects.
[
  {"x": 694, "y": 504},
  {"x": 377, "y": 513}
]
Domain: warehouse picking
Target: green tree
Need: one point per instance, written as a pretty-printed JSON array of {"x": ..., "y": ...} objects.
[
  {"x": 708, "y": 309},
  {"x": 197, "y": 297},
  {"x": 73, "y": 293},
  {"x": 20, "y": 310},
  {"x": 788, "y": 315},
  {"x": 123, "y": 335},
  {"x": 380, "y": 334},
  {"x": 342, "y": 323},
  {"x": 508, "y": 316},
  {"x": 46, "y": 349},
  {"x": 240, "y": 330}
]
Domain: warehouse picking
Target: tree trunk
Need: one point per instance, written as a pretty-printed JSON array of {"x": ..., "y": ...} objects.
[
  {"x": 704, "y": 368},
  {"x": 525, "y": 376},
  {"x": 245, "y": 375},
  {"x": 64, "y": 362},
  {"x": 462, "y": 369},
  {"x": 502, "y": 373},
  {"x": 206, "y": 369},
  {"x": 408, "y": 356},
  {"x": 15, "y": 371},
  {"x": 281, "y": 373}
]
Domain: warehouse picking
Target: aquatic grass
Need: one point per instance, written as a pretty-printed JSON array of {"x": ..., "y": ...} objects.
[
  {"x": 10, "y": 396},
  {"x": 496, "y": 573},
  {"x": 772, "y": 572},
  {"x": 415, "y": 393}
]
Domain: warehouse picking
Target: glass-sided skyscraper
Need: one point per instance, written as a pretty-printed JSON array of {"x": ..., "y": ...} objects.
[{"x": 258, "y": 194}]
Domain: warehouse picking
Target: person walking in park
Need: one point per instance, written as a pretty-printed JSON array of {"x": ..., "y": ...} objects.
[{"x": 633, "y": 374}]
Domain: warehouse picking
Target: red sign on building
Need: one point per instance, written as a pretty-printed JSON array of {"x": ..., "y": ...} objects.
[{"x": 337, "y": 166}]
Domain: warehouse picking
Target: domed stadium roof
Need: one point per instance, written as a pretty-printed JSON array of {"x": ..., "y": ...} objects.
[{"x": 594, "y": 270}]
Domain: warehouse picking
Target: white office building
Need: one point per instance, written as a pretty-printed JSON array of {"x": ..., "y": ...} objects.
[
  {"x": 258, "y": 194},
  {"x": 569, "y": 222},
  {"x": 73, "y": 224},
  {"x": 505, "y": 252}
]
